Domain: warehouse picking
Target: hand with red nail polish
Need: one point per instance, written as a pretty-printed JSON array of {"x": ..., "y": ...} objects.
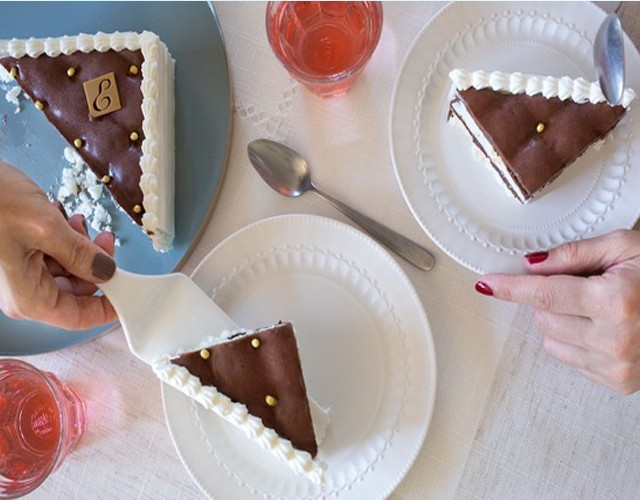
[
  {"x": 586, "y": 297},
  {"x": 49, "y": 266}
]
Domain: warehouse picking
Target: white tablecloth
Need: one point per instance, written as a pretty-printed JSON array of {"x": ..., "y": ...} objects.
[{"x": 512, "y": 425}]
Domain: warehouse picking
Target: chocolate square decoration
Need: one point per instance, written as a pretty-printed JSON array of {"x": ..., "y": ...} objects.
[{"x": 102, "y": 95}]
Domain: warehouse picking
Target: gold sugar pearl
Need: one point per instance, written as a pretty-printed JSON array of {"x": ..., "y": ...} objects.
[
  {"x": 71, "y": 71},
  {"x": 106, "y": 179},
  {"x": 133, "y": 69},
  {"x": 540, "y": 127},
  {"x": 77, "y": 143},
  {"x": 204, "y": 354},
  {"x": 134, "y": 136},
  {"x": 13, "y": 72},
  {"x": 39, "y": 105},
  {"x": 255, "y": 343},
  {"x": 271, "y": 401},
  {"x": 137, "y": 209}
]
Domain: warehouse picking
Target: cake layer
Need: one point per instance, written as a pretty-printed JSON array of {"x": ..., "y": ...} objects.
[
  {"x": 530, "y": 127},
  {"x": 124, "y": 131}
]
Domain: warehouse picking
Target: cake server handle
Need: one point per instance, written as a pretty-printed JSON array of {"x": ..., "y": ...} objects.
[{"x": 404, "y": 247}]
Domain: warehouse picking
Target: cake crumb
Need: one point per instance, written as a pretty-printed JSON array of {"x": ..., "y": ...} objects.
[
  {"x": 12, "y": 92},
  {"x": 81, "y": 192},
  {"x": 12, "y": 97},
  {"x": 5, "y": 76}
]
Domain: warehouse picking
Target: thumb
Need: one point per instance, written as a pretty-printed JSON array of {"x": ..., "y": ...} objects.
[
  {"x": 590, "y": 256},
  {"x": 79, "y": 255}
]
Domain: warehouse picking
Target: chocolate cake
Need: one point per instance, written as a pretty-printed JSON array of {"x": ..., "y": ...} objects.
[
  {"x": 253, "y": 380},
  {"x": 111, "y": 97},
  {"x": 262, "y": 371},
  {"x": 530, "y": 128}
]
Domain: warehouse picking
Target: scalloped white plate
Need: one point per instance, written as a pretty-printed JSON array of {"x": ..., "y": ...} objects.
[
  {"x": 456, "y": 199},
  {"x": 365, "y": 346}
]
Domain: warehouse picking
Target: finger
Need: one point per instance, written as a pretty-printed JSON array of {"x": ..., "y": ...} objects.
[
  {"x": 75, "y": 286},
  {"x": 65, "y": 310},
  {"x": 77, "y": 254},
  {"x": 78, "y": 223},
  {"x": 106, "y": 241},
  {"x": 80, "y": 312},
  {"x": 590, "y": 256},
  {"x": 575, "y": 330},
  {"x": 54, "y": 268},
  {"x": 569, "y": 354},
  {"x": 560, "y": 294},
  {"x": 47, "y": 303},
  {"x": 71, "y": 284}
]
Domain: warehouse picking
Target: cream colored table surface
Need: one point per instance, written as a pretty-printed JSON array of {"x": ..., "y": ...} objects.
[{"x": 508, "y": 421}]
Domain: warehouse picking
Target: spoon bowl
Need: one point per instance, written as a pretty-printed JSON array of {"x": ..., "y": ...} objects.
[
  {"x": 288, "y": 173},
  {"x": 281, "y": 167},
  {"x": 608, "y": 58}
]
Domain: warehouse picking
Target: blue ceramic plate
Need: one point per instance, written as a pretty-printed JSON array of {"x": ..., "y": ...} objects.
[{"x": 202, "y": 124}]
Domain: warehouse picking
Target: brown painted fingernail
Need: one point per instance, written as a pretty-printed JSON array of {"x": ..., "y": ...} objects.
[
  {"x": 536, "y": 257},
  {"x": 483, "y": 288},
  {"x": 103, "y": 266}
]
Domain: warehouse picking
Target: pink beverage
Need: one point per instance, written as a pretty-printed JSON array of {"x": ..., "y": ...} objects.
[
  {"x": 324, "y": 45},
  {"x": 41, "y": 420}
]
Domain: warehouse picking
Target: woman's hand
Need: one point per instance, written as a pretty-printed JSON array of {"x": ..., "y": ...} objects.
[
  {"x": 48, "y": 265},
  {"x": 586, "y": 296}
]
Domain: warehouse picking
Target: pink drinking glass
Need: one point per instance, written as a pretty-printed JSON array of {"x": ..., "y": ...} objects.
[
  {"x": 41, "y": 421},
  {"x": 324, "y": 45}
]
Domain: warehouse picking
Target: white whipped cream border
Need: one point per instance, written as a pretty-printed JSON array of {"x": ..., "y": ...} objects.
[
  {"x": 236, "y": 414},
  {"x": 578, "y": 89},
  {"x": 156, "y": 118}
]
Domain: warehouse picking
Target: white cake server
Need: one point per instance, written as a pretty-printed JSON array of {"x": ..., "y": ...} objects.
[{"x": 162, "y": 314}]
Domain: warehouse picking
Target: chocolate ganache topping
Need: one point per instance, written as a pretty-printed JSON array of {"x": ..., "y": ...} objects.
[
  {"x": 109, "y": 144},
  {"x": 537, "y": 136},
  {"x": 262, "y": 371}
]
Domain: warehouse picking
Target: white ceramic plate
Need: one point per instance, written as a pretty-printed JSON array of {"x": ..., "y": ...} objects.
[
  {"x": 456, "y": 199},
  {"x": 365, "y": 346}
]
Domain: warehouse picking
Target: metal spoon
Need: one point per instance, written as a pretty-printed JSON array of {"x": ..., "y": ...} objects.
[
  {"x": 608, "y": 57},
  {"x": 288, "y": 173}
]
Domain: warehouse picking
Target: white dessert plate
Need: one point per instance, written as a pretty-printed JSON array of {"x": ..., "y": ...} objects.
[
  {"x": 366, "y": 350},
  {"x": 457, "y": 200}
]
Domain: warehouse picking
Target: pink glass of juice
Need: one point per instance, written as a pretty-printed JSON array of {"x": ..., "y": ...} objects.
[
  {"x": 324, "y": 45},
  {"x": 41, "y": 420}
]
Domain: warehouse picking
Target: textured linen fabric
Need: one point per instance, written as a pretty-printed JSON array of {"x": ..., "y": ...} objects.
[{"x": 127, "y": 451}]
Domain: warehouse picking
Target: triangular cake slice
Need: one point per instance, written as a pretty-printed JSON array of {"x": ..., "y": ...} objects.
[
  {"x": 529, "y": 127},
  {"x": 111, "y": 97},
  {"x": 254, "y": 380}
]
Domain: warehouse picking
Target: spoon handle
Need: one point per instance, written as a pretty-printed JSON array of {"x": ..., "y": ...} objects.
[{"x": 404, "y": 247}]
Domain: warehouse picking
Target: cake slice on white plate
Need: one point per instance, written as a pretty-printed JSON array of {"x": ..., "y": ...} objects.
[
  {"x": 254, "y": 380},
  {"x": 530, "y": 128},
  {"x": 111, "y": 96}
]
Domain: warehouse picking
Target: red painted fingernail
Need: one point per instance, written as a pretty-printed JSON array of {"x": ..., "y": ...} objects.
[
  {"x": 536, "y": 257},
  {"x": 483, "y": 288}
]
